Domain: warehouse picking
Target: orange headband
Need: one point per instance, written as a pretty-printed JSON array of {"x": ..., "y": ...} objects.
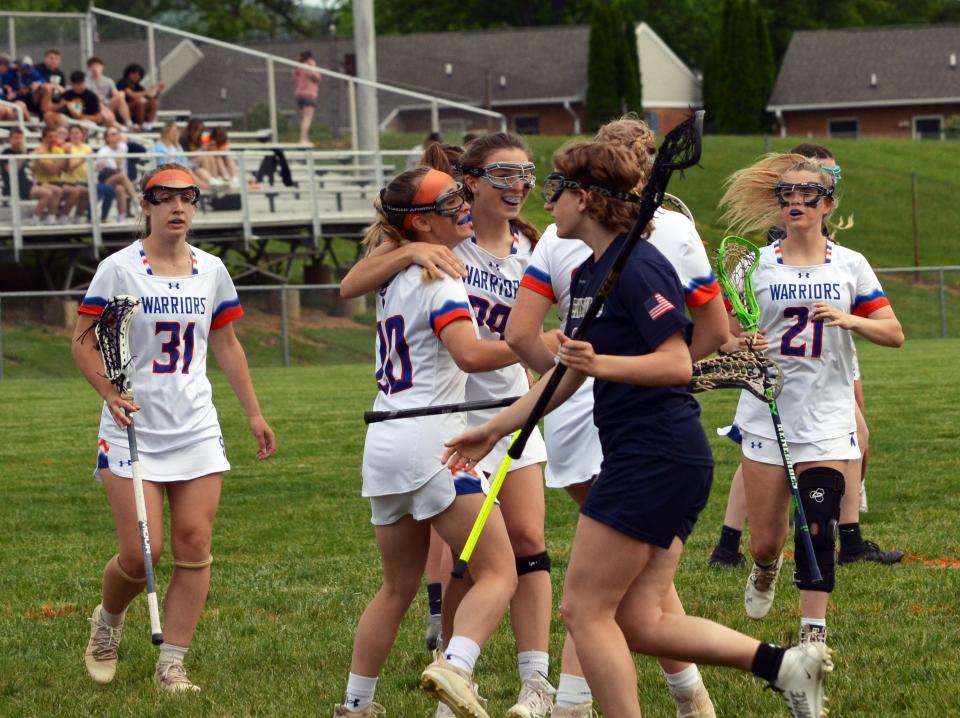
[
  {"x": 164, "y": 176},
  {"x": 430, "y": 187}
]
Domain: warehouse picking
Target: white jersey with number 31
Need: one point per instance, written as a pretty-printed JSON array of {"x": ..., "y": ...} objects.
[{"x": 817, "y": 361}]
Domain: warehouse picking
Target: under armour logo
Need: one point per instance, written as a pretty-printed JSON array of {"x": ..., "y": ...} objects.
[
  {"x": 817, "y": 495},
  {"x": 494, "y": 266},
  {"x": 756, "y": 444},
  {"x": 173, "y": 285},
  {"x": 354, "y": 703},
  {"x": 128, "y": 462},
  {"x": 803, "y": 275}
]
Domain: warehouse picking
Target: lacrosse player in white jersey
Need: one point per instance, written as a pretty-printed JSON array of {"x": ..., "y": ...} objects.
[
  {"x": 426, "y": 341},
  {"x": 498, "y": 171},
  {"x": 573, "y": 444},
  {"x": 813, "y": 293},
  {"x": 188, "y": 304}
]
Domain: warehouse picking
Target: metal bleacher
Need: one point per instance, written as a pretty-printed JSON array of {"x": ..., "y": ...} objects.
[{"x": 262, "y": 221}]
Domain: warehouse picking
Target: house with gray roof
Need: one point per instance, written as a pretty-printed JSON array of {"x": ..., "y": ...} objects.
[{"x": 901, "y": 81}]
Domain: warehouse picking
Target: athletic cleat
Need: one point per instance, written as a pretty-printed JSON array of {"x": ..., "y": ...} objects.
[
  {"x": 871, "y": 552},
  {"x": 455, "y": 687},
  {"x": 761, "y": 588},
  {"x": 698, "y": 705},
  {"x": 171, "y": 677},
  {"x": 580, "y": 710},
  {"x": 812, "y": 634},
  {"x": 433, "y": 631},
  {"x": 101, "y": 653},
  {"x": 536, "y": 699},
  {"x": 725, "y": 558},
  {"x": 443, "y": 711},
  {"x": 801, "y": 677},
  {"x": 371, "y": 711}
]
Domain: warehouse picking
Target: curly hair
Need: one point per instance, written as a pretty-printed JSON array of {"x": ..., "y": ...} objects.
[{"x": 634, "y": 134}]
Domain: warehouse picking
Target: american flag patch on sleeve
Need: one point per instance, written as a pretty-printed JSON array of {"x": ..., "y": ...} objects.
[{"x": 657, "y": 305}]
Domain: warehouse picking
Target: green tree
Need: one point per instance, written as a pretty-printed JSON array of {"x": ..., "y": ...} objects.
[
  {"x": 603, "y": 97},
  {"x": 629, "y": 84}
]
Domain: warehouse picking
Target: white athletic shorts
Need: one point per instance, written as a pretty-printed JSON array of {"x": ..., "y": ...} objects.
[
  {"x": 535, "y": 452},
  {"x": 427, "y": 500},
  {"x": 207, "y": 456},
  {"x": 572, "y": 440},
  {"x": 767, "y": 451}
]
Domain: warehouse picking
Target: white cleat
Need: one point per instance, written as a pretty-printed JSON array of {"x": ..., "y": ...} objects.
[
  {"x": 101, "y": 654},
  {"x": 536, "y": 699},
  {"x": 171, "y": 677},
  {"x": 697, "y": 705},
  {"x": 801, "y": 679},
  {"x": 761, "y": 588}
]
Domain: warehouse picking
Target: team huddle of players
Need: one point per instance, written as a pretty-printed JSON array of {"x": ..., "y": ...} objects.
[{"x": 462, "y": 286}]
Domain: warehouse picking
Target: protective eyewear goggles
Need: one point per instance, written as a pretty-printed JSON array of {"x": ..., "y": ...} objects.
[
  {"x": 504, "y": 175},
  {"x": 158, "y": 194},
  {"x": 809, "y": 193},
  {"x": 447, "y": 204},
  {"x": 555, "y": 183}
]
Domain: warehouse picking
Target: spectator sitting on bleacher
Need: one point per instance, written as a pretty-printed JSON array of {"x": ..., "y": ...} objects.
[
  {"x": 143, "y": 102},
  {"x": 47, "y": 196},
  {"x": 169, "y": 150},
  {"x": 113, "y": 105},
  {"x": 9, "y": 82},
  {"x": 194, "y": 139},
  {"x": 49, "y": 172},
  {"x": 29, "y": 86},
  {"x": 223, "y": 169},
  {"x": 54, "y": 82},
  {"x": 110, "y": 170},
  {"x": 75, "y": 173},
  {"x": 77, "y": 103}
]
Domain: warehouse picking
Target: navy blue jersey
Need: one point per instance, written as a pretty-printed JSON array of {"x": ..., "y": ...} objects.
[{"x": 644, "y": 309}]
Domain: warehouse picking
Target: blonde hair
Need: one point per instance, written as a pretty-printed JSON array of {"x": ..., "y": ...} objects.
[
  {"x": 749, "y": 203},
  {"x": 610, "y": 165},
  {"x": 165, "y": 132}
]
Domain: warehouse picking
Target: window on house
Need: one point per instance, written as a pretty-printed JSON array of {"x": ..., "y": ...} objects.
[
  {"x": 844, "y": 127},
  {"x": 928, "y": 128},
  {"x": 526, "y": 124}
]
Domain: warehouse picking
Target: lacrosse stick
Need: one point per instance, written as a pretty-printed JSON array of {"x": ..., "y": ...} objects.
[
  {"x": 679, "y": 150},
  {"x": 736, "y": 262},
  {"x": 113, "y": 337},
  {"x": 673, "y": 202},
  {"x": 372, "y": 417},
  {"x": 741, "y": 370}
]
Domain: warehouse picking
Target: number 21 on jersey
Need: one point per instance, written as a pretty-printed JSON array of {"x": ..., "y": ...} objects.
[{"x": 792, "y": 344}]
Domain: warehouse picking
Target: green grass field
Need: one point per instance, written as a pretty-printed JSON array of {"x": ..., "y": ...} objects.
[{"x": 296, "y": 562}]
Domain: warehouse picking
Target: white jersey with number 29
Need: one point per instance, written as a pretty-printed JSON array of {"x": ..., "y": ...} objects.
[{"x": 817, "y": 361}]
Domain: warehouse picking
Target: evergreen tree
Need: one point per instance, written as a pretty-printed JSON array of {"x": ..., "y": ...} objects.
[
  {"x": 632, "y": 88},
  {"x": 603, "y": 100}
]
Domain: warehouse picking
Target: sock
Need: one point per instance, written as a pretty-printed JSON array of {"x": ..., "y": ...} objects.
[
  {"x": 463, "y": 653},
  {"x": 819, "y": 622},
  {"x": 359, "y": 691},
  {"x": 114, "y": 620},
  {"x": 533, "y": 662},
  {"x": 851, "y": 542},
  {"x": 766, "y": 661},
  {"x": 433, "y": 597},
  {"x": 730, "y": 539},
  {"x": 170, "y": 653},
  {"x": 573, "y": 690},
  {"x": 685, "y": 682},
  {"x": 765, "y": 565}
]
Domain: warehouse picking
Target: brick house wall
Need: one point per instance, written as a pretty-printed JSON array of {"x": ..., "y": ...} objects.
[{"x": 872, "y": 121}]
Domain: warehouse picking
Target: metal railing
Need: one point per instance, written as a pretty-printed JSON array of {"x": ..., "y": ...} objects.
[{"x": 287, "y": 291}]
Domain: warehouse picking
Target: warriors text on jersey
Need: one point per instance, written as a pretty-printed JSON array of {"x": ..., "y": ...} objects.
[
  {"x": 817, "y": 361},
  {"x": 414, "y": 369},
  {"x": 168, "y": 340}
]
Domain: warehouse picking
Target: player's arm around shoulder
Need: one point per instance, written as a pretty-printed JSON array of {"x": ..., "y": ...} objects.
[
  {"x": 233, "y": 361},
  {"x": 387, "y": 260}
]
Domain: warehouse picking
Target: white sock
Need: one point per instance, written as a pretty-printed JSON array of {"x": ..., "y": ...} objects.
[
  {"x": 573, "y": 690},
  {"x": 532, "y": 663},
  {"x": 170, "y": 653},
  {"x": 463, "y": 653},
  {"x": 685, "y": 682},
  {"x": 819, "y": 622},
  {"x": 114, "y": 620},
  {"x": 360, "y": 691}
]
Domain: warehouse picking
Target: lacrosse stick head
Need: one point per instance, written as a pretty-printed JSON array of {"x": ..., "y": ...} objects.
[
  {"x": 736, "y": 263},
  {"x": 113, "y": 338},
  {"x": 746, "y": 370},
  {"x": 682, "y": 145},
  {"x": 675, "y": 203}
]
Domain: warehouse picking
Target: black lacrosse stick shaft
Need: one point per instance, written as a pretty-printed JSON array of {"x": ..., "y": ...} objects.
[{"x": 650, "y": 199}]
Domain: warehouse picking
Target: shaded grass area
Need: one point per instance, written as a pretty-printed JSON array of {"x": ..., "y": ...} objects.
[{"x": 296, "y": 560}]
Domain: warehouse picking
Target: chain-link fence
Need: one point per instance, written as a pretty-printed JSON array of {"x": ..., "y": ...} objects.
[{"x": 310, "y": 325}]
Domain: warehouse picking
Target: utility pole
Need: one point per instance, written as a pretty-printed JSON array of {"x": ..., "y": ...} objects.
[{"x": 365, "y": 46}]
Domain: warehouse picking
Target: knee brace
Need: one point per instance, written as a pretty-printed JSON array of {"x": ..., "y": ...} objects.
[
  {"x": 194, "y": 565},
  {"x": 820, "y": 490},
  {"x": 529, "y": 564},
  {"x": 115, "y": 563}
]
